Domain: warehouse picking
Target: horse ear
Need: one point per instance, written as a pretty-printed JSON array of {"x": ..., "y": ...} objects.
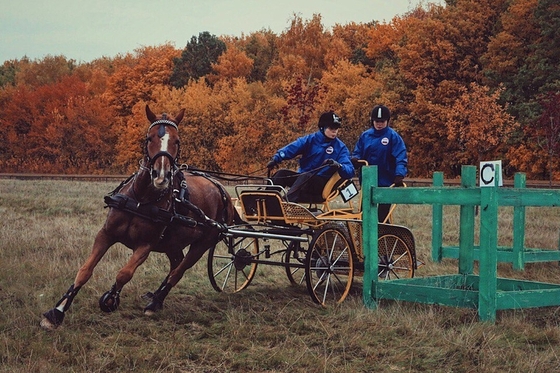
[
  {"x": 151, "y": 116},
  {"x": 179, "y": 116}
]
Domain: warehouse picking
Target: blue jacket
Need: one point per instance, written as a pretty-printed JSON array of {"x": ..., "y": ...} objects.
[
  {"x": 314, "y": 149},
  {"x": 386, "y": 150}
]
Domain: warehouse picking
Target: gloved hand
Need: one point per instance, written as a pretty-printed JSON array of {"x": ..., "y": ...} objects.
[
  {"x": 398, "y": 182},
  {"x": 356, "y": 162},
  {"x": 270, "y": 165},
  {"x": 332, "y": 163}
]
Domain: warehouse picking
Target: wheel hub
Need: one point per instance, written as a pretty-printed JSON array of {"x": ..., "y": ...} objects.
[{"x": 242, "y": 259}]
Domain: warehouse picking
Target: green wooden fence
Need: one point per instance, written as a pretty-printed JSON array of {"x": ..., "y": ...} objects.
[
  {"x": 485, "y": 292},
  {"x": 518, "y": 254}
]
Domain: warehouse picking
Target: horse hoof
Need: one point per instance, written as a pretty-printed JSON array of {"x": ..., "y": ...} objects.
[
  {"x": 149, "y": 313},
  {"x": 52, "y": 319},
  {"x": 109, "y": 302},
  {"x": 46, "y": 324},
  {"x": 152, "y": 308}
]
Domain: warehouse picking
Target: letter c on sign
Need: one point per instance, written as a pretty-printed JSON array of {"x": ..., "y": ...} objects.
[{"x": 487, "y": 178}]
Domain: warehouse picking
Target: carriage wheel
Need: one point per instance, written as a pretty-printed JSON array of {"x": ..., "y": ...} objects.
[
  {"x": 330, "y": 267},
  {"x": 395, "y": 258},
  {"x": 230, "y": 263},
  {"x": 294, "y": 259}
]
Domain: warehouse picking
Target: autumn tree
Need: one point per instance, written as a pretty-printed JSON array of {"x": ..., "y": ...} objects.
[
  {"x": 354, "y": 37},
  {"x": 231, "y": 64},
  {"x": 302, "y": 48},
  {"x": 478, "y": 127},
  {"x": 255, "y": 118},
  {"x": 196, "y": 59},
  {"x": 48, "y": 70},
  {"x": 538, "y": 154},
  {"x": 262, "y": 48},
  {"x": 300, "y": 108},
  {"x": 437, "y": 52},
  {"x": 138, "y": 75},
  {"x": 57, "y": 128},
  {"x": 351, "y": 91}
]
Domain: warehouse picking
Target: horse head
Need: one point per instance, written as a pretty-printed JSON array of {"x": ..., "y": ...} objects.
[{"x": 162, "y": 147}]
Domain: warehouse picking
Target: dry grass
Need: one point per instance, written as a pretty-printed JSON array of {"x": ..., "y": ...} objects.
[{"x": 47, "y": 231}]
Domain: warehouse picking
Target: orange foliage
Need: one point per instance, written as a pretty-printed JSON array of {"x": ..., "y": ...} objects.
[
  {"x": 477, "y": 125},
  {"x": 138, "y": 75},
  {"x": 57, "y": 128},
  {"x": 440, "y": 69},
  {"x": 233, "y": 63}
]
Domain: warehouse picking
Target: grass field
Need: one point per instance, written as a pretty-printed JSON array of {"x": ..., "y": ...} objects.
[{"x": 48, "y": 229}]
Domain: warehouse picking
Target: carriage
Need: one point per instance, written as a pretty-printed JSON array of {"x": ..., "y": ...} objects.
[
  {"x": 319, "y": 245},
  {"x": 166, "y": 208}
]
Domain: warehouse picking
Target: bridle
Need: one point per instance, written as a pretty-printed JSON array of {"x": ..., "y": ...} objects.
[{"x": 161, "y": 132}]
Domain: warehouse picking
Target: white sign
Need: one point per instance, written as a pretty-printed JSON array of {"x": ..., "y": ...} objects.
[
  {"x": 488, "y": 173},
  {"x": 349, "y": 192}
]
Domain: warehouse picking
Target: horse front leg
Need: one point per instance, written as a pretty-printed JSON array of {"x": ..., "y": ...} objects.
[
  {"x": 54, "y": 317},
  {"x": 110, "y": 301}
]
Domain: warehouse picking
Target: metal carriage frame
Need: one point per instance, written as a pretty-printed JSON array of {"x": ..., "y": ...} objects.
[{"x": 319, "y": 245}]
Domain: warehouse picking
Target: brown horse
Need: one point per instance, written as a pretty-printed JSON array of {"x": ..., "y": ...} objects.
[{"x": 160, "y": 208}]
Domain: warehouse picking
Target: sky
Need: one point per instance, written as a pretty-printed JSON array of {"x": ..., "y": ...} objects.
[{"x": 84, "y": 30}]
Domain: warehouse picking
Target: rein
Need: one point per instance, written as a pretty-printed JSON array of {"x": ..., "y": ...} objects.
[{"x": 225, "y": 175}]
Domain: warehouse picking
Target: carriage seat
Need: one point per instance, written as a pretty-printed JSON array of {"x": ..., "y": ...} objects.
[{"x": 269, "y": 206}]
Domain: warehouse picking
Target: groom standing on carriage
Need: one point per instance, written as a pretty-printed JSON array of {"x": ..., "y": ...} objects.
[{"x": 322, "y": 154}]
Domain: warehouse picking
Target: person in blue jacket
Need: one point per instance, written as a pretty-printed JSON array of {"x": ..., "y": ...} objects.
[
  {"x": 322, "y": 154},
  {"x": 384, "y": 147}
]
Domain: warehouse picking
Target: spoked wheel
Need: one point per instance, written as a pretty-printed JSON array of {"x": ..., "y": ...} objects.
[
  {"x": 230, "y": 263},
  {"x": 330, "y": 267},
  {"x": 395, "y": 258},
  {"x": 294, "y": 259}
]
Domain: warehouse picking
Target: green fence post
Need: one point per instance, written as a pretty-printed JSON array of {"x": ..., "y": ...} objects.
[
  {"x": 466, "y": 221},
  {"x": 437, "y": 222},
  {"x": 488, "y": 282},
  {"x": 518, "y": 260},
  {"x": 369, "y": 233}
]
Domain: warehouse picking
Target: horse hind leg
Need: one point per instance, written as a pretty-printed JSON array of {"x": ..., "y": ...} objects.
[
  {"x": 156, "y": 298},
  {"x": 194, "y": 254}
]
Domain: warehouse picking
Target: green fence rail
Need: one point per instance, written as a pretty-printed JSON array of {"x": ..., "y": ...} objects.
[
  {"x": 517, "y": 254},
  {"x": 485, "y": 292}
]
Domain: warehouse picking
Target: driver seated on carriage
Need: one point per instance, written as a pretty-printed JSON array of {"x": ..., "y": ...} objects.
[{"x": 322, "y": 154}]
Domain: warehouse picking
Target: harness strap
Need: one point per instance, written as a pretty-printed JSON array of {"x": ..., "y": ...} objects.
[
  {"x": 149, "y": 212},
  {"x": 123, "y": 183},
  {"x": 220, "y": 188}
]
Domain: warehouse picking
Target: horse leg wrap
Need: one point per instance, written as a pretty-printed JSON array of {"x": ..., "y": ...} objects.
[
  {"x": 110, "y": 301},
  {"x": 56, "y": 315},
  {"x": 156, "y": 303}
]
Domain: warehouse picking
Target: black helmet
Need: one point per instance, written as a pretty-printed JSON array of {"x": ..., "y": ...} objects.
[
  {"x": 380, "y": 113},
  {"x": 329, "y": 119}
]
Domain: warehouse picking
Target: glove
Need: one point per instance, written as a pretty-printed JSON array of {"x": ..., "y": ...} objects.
[
  {"x": 332, "y": 163},
  {"x": 356, "y": 162},
  {"x": 270, "y": 165},
  {"x": 398, "y": 182}
]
